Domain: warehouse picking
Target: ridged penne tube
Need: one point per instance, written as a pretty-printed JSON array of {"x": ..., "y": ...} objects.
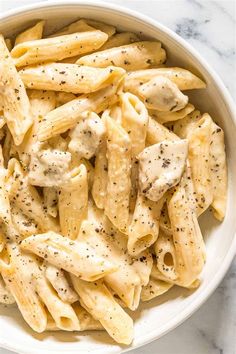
[
  {"x": 156, "y": 132},
  {"x": 42, "y": 102},
  {"x": 73, "y": 202},
  {"x": 119, "y": 169},
  {"x": 5, "y": 295},
  {"x": 83, "y": 25},
  {"x": 69, "y": 77},
  {"x": 120, "y": 39},
  {"x": 125, "y": 281},
  {"x": 154, "y": 288},
  {"x": 57, "y": 48},
  {"x": 99, "y": 188},
  {"x": 186, "y": 125},
  {"x": 86, "y": 321},
  {"x": 26, "y": 197},
  {"x": 18, "y": 278},
  {"x": 16, "y": 106},
  {"x": 78, "y": 26},
  {"x": 187, "y": 238},
  {"x": 134, "y": 56},
  {"x": 184, "y": 79},
  {"x": 165, "y": 255},
  {"x": 104, "y": 27},
  {"x": 143, "y": 265},
  {"x": 87, "y": 135},
  {"x": 63, "y": 313},
  {"x": 22, "y": 223},
  {"x": 31, "y": 34},
  {"x": 156, "y": 274},
  {"x": 144, "y": 228},
  {"x": 199, "y": 157},
  {"x": 73, "y": 256},
  {"x": 218, "y": 172},
  {"x": 162, "y": 94},
  {"x": 60, "y": 283},
  {"x": 50, "y": 199},
  {"x": 135, "y": 122},
  {"x": 66, "y": 116},
  {"x": 98, "y": 301},
  {"x": 164, "y": 117}
]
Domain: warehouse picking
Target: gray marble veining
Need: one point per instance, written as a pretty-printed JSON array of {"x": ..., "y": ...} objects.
[{"x": 210, "y": 26}]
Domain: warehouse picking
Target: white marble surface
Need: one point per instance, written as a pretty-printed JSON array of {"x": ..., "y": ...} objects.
[{"x": 210, "y": 26}]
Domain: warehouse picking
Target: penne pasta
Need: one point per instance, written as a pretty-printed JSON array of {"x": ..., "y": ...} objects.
[
  {"x": 134, "y": 121},
  {"x": 17, "y": 275},
  {"x": 187, "y": 237},
  {"x": 86, "y": 321},
  {"x": 186, "y": 125},
  {"x": 119, "y": 168},
  {"x": 60, "y": 283},
  {"x": 139, "y": 55},
  {"x": 184, "y": 79},
  {"x": 157, "y": 132},
  {"x": 75, "y": 257},
  {"x": 165, "y": 117},
  {"x": 119, "y": 39},
  {"x": 154, "y": 288},
  {"x": 218, "y": 171},
  {"x": 165, "y": 256},
  {"x": 31, "y": 34},
  {"x": 199, "y": 156},
  {"x": 73, "y": 202},
  {"x": 84, "y": 25},
  {"x": 6, "y": 297},
  {"x": 16, "y": 106},
  {"x": 26, "y": 198},
  {"x": 99, "y": 188},
  {"x": 144, "y": 227},
  {"x": 57, "y": 48},
  {"x": 70, "y": 78},
  {"x": 66, "y": 116},
  {"x": 63, "y": 313},
  {"x": 98, "y": 301},
  {"x": 41, "y": 103},
  {"x": 50, "y": 200},
  {"x": 125, "y": 281}
]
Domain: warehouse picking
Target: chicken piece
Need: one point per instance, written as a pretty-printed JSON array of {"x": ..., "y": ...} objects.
[
  {"x": 87, "y": 136},
  {"x": 161, "y": 167},
  {"x": 49, "y": 168},
  {"x": 162, "y": 94}
]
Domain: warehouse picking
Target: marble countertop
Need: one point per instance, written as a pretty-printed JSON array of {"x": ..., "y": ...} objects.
[{"x": 210, "y": 26}]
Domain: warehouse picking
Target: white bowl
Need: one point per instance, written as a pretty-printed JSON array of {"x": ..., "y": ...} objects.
[{"x": 155, "y": 318}]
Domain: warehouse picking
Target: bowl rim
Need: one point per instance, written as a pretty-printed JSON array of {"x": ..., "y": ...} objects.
[{"x": 215, "y": 281}]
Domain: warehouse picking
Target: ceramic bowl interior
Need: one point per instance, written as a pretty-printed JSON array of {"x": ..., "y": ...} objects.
[{"x": 157, "y": 317}]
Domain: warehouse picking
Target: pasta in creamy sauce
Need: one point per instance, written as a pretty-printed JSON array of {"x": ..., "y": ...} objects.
[{"x": 105, "y": 167}]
